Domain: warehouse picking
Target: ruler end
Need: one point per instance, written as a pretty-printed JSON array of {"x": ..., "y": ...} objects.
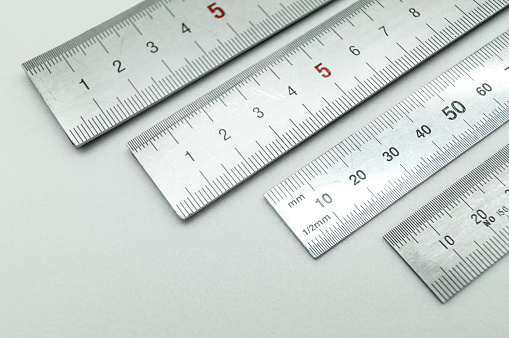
[{"x": 25, "y": 66}]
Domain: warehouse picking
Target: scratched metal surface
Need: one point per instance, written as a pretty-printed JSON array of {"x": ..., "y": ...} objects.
[
  {"x": 344, "y": 188},
  {"x": 462, "y": 232},
  {"x": 89, "y": 247},
  {"x": 114, "y": 71},
  {"x": 202, "y": 151}
]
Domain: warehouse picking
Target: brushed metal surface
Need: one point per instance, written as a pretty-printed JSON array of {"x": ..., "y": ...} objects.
[
  {"x": 343, "y": 189},
  {"x": 205, "y": 149},
  {"x": 118, "y": 69},
  {"x": 462, "y": 232}
]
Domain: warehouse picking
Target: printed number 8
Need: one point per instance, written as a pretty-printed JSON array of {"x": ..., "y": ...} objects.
[{"x": 414, "y": 12}]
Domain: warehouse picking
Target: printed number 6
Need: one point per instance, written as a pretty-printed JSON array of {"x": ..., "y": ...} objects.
[{"x": 220, "y": 11}]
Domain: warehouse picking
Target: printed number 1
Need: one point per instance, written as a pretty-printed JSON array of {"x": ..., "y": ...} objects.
[
  {"x": 84, "y": 83},
  {"x": 220, "y": 13},
  {"x": 190, "y": 156}
]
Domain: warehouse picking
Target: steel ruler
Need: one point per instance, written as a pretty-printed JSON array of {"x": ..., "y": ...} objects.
[
  {"x": 114, "y": 71},
  {"x": 208, "y": 147},
  {"x": 341, "y": 190},
  {"x": 462, "y": 232}
]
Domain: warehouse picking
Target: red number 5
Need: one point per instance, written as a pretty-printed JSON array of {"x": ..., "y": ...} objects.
[
  {"x": 220, "y": 11},
  {"x": 324, "y": 70}
]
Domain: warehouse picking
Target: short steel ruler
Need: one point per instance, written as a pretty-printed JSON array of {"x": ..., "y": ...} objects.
[
  {"x": 462, "y": 232},
  {"x": 208, "y": 147},
  {"x": 114, "y": 71},
  {"x": 357, "y": 179}
]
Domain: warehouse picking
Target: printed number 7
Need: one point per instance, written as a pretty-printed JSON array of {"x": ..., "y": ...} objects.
[
  {"x": 220, "y": 11},
  {"x": 324, "y": 70}
]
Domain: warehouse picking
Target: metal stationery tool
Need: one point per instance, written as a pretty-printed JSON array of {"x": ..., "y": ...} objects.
[
  {"x": 208, "y": 147},
  {"x": 462, "y": 232},
  {"x": 116, "y": 70},
  {"x": 357, "y": 179}
]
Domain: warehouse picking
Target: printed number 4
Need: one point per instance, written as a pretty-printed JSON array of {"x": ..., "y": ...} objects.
[{"x": 218, "y": 10}]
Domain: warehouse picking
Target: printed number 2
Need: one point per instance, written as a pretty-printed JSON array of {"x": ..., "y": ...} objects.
[
  {"x": 225, "y": 136},
  {"x": 220, "y": 13},
  {"x": 117, "y": 64}
]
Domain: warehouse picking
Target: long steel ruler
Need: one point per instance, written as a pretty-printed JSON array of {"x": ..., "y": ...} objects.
[
  {"x": 114, "y": 71},
  {"x": 462, "y": 232},
  {"x": 357, "y": 179},
  {"x": 208, "y": 147}
]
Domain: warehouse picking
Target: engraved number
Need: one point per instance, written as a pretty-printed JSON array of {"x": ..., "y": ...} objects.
[
  {"x": 118, "y": 64},
  {"x": 153, "y": 47},
  {"x": 84, "y": 83},
  {"x": 185, "y": 29},
  {"x": 323, "y": 70},
  {"x": 393, "y": 152},
  {"x": 258, "y": 112},
  {"x": 225, "y": 136},
  {"x": 358, "y": 177},
  {"x": 457, "y": 108},
  {"x": 414, "y": 12},
  {"x": 218, "y": 10},
  {"x": 484, "y": 89},
  {"x": 326, "y": 198}
]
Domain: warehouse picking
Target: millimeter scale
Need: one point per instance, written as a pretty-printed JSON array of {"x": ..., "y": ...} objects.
[
  {"x": 210, "y": 146},
  {"x": 344, "y": 188},
  {"x": 116, "y": 70},
  {"x": 462, "y": 232}
]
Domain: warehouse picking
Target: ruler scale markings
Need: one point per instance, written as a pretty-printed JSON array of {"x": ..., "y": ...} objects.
[
  {"x": 450, "y": 141},
  {"x": 271, "y": 95},
  {"x": 137, "y": 53},
  {"x": 476, "y": 246}
]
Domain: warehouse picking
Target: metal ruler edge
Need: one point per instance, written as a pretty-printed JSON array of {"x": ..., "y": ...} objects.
[
  {"x": 94, "y": 127},
  {"x": 143, "y": 140},
  {"x": 424, "y": 219},
  {"x": 289, "y": 188},
  {"x": 163, "y": 128}
]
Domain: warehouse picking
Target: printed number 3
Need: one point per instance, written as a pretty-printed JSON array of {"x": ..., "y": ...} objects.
[
  {"x": 153, "y": 47},
  {"x": 220, "y": 13}
]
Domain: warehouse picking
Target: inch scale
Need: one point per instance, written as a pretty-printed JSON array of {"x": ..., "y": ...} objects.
[
  {"x": 116, "y": 70},
  {"x": 208, "y": 147},
  {"x": 462, "y": 232},
  {"x": 341, "y": 190}
]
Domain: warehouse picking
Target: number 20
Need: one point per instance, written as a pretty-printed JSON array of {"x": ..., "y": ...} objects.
[{"x": 358, "y": 177}]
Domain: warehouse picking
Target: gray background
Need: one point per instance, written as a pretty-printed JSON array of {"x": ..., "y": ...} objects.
[{"x": 89, "y": 247}]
